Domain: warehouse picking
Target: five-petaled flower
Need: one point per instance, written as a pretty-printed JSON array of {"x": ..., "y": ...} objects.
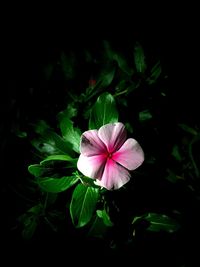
[{"x": 107, "y": 156}]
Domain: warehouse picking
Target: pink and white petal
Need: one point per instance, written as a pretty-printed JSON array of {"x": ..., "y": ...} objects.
[
  {"x": 114, "y": 176},
  {"x": 91, "y": 144},
  {"x": 130, "y": 155},
  {"x": 92, "y": 167},
  {"x": 113, "y": 135}
]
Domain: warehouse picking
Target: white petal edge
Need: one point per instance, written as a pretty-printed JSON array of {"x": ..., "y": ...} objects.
[
  {"x": 114, "y": 176},
  {"x": 130, "y": 155},
  {"x": 92, "y": 167},
  {"x": 113, "y": 135},
  {"x": 91, "y": 144}
]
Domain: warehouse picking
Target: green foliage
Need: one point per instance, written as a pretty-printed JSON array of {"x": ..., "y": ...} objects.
[
  {"x": 105, "y": 217},
  {"x": 87, "y": 181},
  {"x": 30, "y": 221},
  {"x": 172, "y": 177},
  {"x": 59, "y": 158},
  {"x": 139, "y": 57},
  {"x": 176, "y": 153},
  {"x": 44, "y": 174},
  {"x": 106, "y": 77},
  {"x": 103, "y": 80},
  {"x": 188, "y": 129},
  {"x": 122, "y": 64},
  {"x": 70, "y": 112},
  {"x": 145, "y": 115},
  {"x": 37, "y": 170},
  {"x": 155, "y": 73},
  {"x": 127, "y": 79},
  {"x": 83, "y": 204},
  {"x": 113, "y": 56},
  {"x": 49, "y": 142},
  {"x": 56, "y": 185},
  {"x": 41, "y": 127},
  {"x": 158, "y": 222},
  {"x": 98, "y": 228},
  {"x": 104, "y": 111},
  {"x": 129, "y": 127},
  {"x": 70, "y": 134}
]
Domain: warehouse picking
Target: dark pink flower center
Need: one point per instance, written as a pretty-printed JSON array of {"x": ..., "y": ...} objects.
[{"x": 109, "y": 155}]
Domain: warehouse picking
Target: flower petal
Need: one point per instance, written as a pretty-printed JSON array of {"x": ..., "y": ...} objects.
[
  {"x": 92, "y": 167},
  {"x": 113, "y": 135},
  {"x": 91, "y": 144},
  {"x": 114, "y": 176},
  {"x": 130, "y": 155}
]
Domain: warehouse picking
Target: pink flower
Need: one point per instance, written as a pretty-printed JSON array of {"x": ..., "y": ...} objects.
[{"x": 107, "y": 156}]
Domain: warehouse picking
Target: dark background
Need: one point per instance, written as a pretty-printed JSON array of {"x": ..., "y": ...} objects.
[{"x": 25, "y": 97}]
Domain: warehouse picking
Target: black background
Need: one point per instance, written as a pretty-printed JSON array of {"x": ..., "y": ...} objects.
[{"x": 24, "y": 53}]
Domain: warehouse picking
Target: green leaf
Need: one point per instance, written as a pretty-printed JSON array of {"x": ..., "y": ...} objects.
[
  {"x": 59, "y": 158},
  {"x": 105, "y": 217},
  {"x": 98, "y": 228},
  {"x": 30, "y": 227},
  {"x": 122, "y": 64},
  {"x": 108, "y": 50},
  {"x": 50, "y": 142},
  {"x": 38, "y": 170},
  {"x": 145, "y": 115},
  {"x": 60, "y": 144},
  {"x": 41, "y": 127},
  {"x": 86, "y": 180},
  {"x": 172, "y": 177},
  {"x": 188, "y": 129},
  {"x": 115, "y": 56},
  {"x": 71, "y": 111},
  {"x": 30, "y": 221},
  {"x": 35, "y": 209},
  {"x": 155, "y": 73},
  {"x": 43, "y": 147},
  {"x": 104, "y": 111},
  {"x": 176, "y": 153},
  {"x": 70, "y": 134},
  {"x": 56, "y": 185},
  {"x": 17, "y": 131},
  {"x": 139, "y": 58},
  {"x": 51, "y": 198},
  {"x": 83, "y": 204},
  {"x": 106, "y": 78},
  {"x": 45, "y": 168},
  {"x": 159, "y": 222},
  {"x": 137, "y": 219},
  {"x": 103, "y": 80},
  {"x": 129, "y": 127},
  {"x": 108, "y": 68},
  {"x": 122, "y": 85}
]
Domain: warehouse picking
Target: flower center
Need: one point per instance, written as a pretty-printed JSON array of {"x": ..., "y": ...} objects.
[{"x": 109, "y": 155}]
